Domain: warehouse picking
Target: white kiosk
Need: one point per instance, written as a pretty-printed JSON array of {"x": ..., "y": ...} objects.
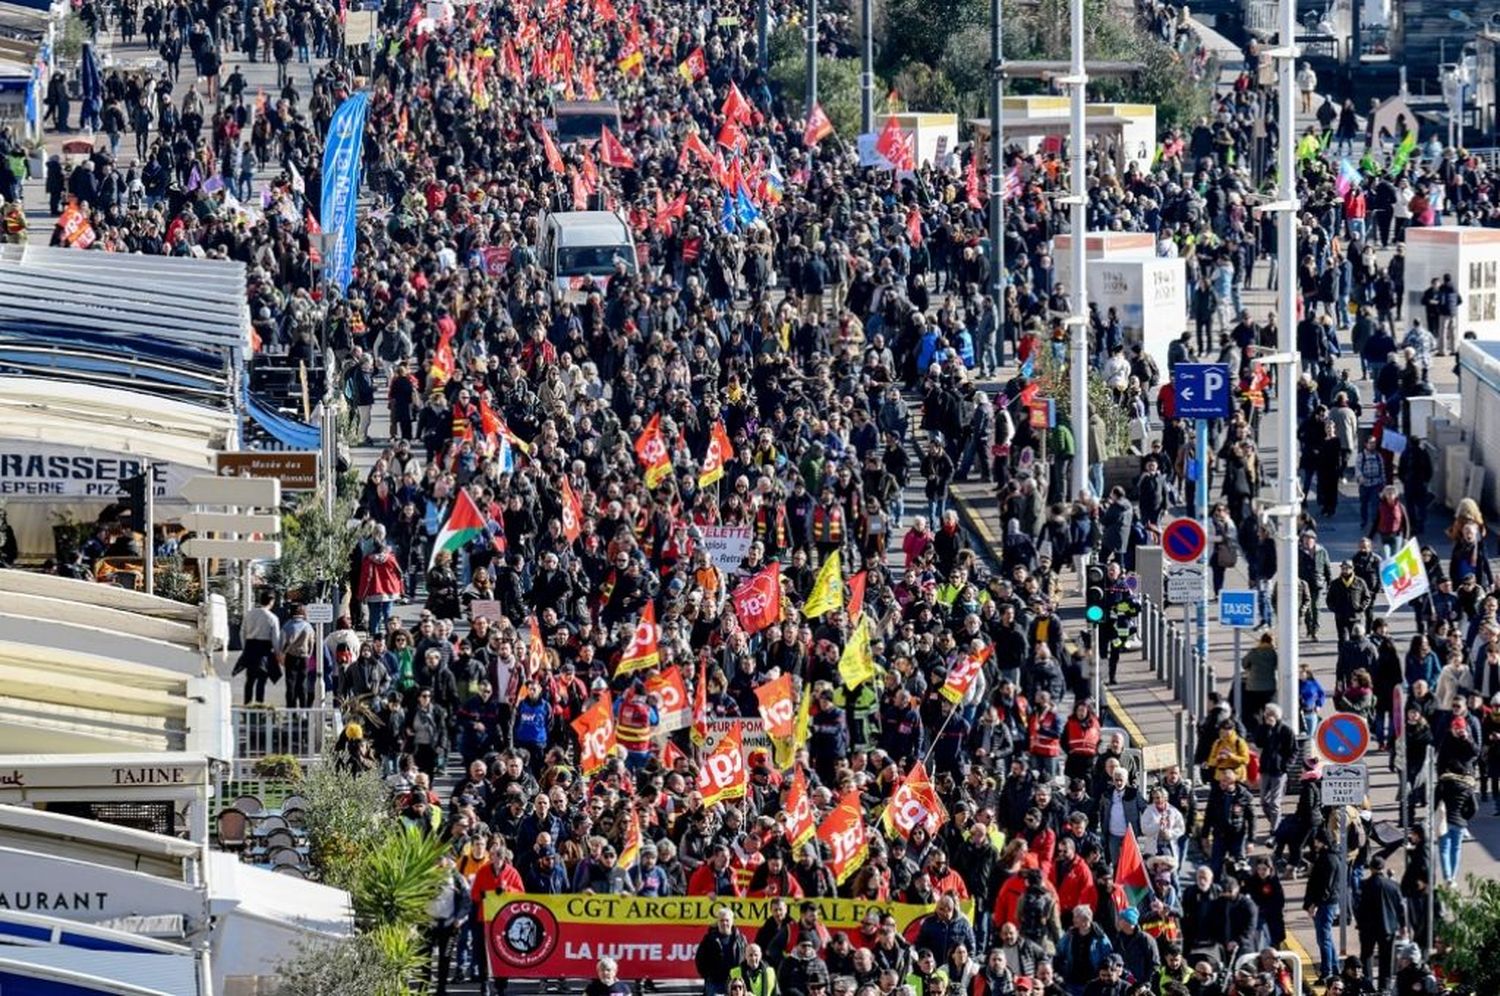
[
  {"x": 1148, "y": 292},
  {"x": 1472, "y": 256}
]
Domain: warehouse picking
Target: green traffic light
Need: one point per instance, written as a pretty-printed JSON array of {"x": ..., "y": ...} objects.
[{"x": 1094, "y": 613}]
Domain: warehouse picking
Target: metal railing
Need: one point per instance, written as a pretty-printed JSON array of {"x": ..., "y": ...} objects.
[
  {"x": 1166, "y": 647},
  {"x": 302, "y": 733}
]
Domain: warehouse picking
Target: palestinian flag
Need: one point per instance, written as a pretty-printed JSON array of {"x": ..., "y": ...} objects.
[
  {"x": 1130, "y": 870},
  {"x": 464, "y": 524}
]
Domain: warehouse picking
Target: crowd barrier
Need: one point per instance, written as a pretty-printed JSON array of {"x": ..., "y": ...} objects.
[{"x": 1167, "y": 648}]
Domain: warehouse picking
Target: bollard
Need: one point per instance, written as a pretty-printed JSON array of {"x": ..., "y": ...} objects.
[
  {"x": 1191, "y": 685},
  {"x": 1163, "y": 668},
  {"x": 1211, "y": 683},
  {"x": 1169, "y": 642},
  {"x": 1184, "y": 726}
]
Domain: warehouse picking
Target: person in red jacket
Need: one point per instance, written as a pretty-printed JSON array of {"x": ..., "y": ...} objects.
[
  {"x": 496, "y": 875},
  {"x": 1045, "y": 744},
  {"x": 1081, "y": 740},
  {"x": 714, "y": 877},
  {"x": 944, "y": 878},
  {"x": 1071, "y": 875},
  {"x": 380, "y": 585}
]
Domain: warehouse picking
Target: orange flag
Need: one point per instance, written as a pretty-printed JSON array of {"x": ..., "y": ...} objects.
[
  {"x": 596, "y": 735},
  {"x": 798, "y": 808},
  {"x": 671, "y": 695},
  {"x": 642, "y": 651},
  {"x": 777, "y": 706},
  {"x": 700, "y": 707},
  {"x": 719, "y": 450},
  {"x": 857, "y": 595},
  {"x": 965, "y": 669},
  {"x": 549, "y": 148},
  {"x": 844, "y": 832},
  {"x": 651, "y": 449},
  {"x": 722, "y": 774},
  {"x": 915, "y": 803}
]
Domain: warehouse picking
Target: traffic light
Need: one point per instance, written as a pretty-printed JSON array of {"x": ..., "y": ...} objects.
[
  {"x": 135, "y": 499},
  {"x": 1094, "y": 592}
]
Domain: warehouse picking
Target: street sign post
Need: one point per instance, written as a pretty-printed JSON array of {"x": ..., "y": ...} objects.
[
  {"x": 241, "y": 492},
  {"x": 1184, "y": 583},
  {"x": 1183, "y": 541},
  {"x": 1202, "y": 390},
  {"x": 1342, "y": 738},
  {"x": 295, "y": 469},
  {"x": 1237, "y": 611},
  {"x": 1345, "y": 784}
]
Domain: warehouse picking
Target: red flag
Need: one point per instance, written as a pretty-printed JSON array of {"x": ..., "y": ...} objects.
[
  {"x": 314, "y": 254},
  {"x": 720, "y": 448},
  {"x": 915, "y": 803},
  {"x": 736, "y": 108},
  {"x": 651, "y": 449},
  {"x": 730, "y": 135},
  {"x": 642, "y": 651},
  {"x": 671, "y": 695},
  {"x": 895, "y": 145},
  {"x": 914, "y": 225},
  {"x": 596, "y": 735},
  {"x": 670, "y": 754},
  {"x": 1130, "y": 870},
  {"x": 818, "y": 127},
  {"x": 971, "y": 183},
  {"x": 612, "y": 151},
  {"x": 798, "y": 809},
  {"x": 549, "y": 149},
  {"x": 843, "y": 831},
  {"x": 757, "y": 602},
  {"x": 777, "y": 706},
  {"x": 961, "y": 677},
  {"x": 722, "y": 773},
  {"x": 666, "y": 212},
  {"x": 606, "y": 10},
  {"x": 510, "y": 64},
  {"x": 694, "y": 146},
  {"x": 857, "y": 594},
  {"x": 694, "y": 67},
  {"x": 572, "y": 513}
]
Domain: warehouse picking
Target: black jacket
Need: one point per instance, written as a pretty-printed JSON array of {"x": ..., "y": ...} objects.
[
  {"x": 1381, "y": 911},
  {"x": 718, "y": 954}
]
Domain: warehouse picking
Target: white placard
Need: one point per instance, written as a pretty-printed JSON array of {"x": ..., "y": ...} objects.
[
  {"x": 726, "y": 545},
  {"x": 319, "y": 612},
  {"x": 752, "y": 733}
]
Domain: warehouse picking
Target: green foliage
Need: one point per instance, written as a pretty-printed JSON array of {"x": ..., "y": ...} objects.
[
  {"x": 278, "y": 767},
  {"x": 1053, "y": 377},
  {"x": 174, "y": 582},
  {"x": 69, "y": 45},
  {"x": 380, "y": 963},
  {"x": 838, "y": 81},
  {"x": 923, "y": 88},
  {"x": 1471, "y": 931},
  {"x": 395, "y": 881},
  {"x": 314, "y": 546},
  {"x": 345, "y": 820},
  {"x": 916, "y": 32}
]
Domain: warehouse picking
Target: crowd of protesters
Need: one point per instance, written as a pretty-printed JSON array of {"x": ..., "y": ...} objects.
[{"x": 832, "y": 324}]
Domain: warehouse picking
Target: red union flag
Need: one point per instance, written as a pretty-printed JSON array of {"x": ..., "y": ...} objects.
[
  {"x": 651, "y": 449},
  {"x": 669, "y": 688},
  {"x": 596, "y": 735},
  {"x": 757, "y": 602},
  {"x": 818, "y": 127},
  {"x": 915, "y": 803},
  {"x": 721, "y": 774},
  {"x": 612, "y": 151},
  {"x": 719, "y": 450},
  {"x": 844, "y": 833},
  {"x": 800, "y": 827},
  {"x": 777, "y": 706},
  {"x": 961, "y": 676},
  {"x": 895, "y": 145},
  {"x": 572, "y": 513},
  {"x": 642, "y": 651}
]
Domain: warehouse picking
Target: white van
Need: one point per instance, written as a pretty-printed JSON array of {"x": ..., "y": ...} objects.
[{"x": 578, "y": 244}]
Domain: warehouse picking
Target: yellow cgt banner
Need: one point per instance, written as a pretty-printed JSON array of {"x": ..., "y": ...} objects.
[{"x": 562, "y": 937}]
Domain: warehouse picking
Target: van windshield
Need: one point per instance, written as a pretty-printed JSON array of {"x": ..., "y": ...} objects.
[{"x": 594, "y": 261}]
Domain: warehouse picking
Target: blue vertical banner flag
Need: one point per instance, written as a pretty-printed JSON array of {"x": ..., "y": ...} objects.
[{"x": 341, "y": 174}]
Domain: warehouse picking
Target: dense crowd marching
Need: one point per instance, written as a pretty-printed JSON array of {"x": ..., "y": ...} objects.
[{"x": 794, "y": 364}]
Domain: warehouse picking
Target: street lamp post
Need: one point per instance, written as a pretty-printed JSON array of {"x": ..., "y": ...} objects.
[
  {"x": 812, "y": 54},
  {"x": 1078, "y": 363},
  {"x": 867, "y": 68},
  {"x": 1286, "y": 388},
  {"x": 997, "y": 172}
]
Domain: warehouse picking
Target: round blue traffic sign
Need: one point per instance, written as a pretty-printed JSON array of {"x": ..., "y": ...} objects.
[
  {"x": 1343, "y": 738},
  {"x": 1183, "y": 541}
]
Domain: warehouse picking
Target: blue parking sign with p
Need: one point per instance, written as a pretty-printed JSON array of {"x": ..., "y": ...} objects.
[{"x": 1237, "y": 608}]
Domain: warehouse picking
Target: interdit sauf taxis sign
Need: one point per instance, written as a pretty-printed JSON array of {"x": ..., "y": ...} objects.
[{"x": 561, "y": 937}]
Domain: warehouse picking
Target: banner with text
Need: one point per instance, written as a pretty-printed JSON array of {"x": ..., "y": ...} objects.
[{"x": 563, "y": 937}]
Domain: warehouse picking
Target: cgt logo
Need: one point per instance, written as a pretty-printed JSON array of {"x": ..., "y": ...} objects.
[
  {"x": 779, "y": 715},
  {"x": 523, "y": 935},
  {"x": 908, "y": 812},
  {"x": 720, "y": 771}
]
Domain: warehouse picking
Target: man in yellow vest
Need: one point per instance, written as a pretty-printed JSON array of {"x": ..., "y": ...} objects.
[{"x": 753, "y": 977}]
